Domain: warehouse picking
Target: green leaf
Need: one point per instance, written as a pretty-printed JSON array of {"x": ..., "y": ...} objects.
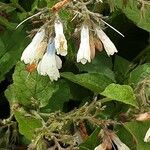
[
  {"x": 27, "y": 124},
  {"x": 26, "y": 5},
  {"x": 12, "y": 46},
  {"x": 38, "y": 4},
  {"x": 91, "y": 142},
  {"x": 121, "y": 93},
  {"x": 138, "y": 131},
  {"x": 138, "y": 74},
  {"x": 51, "y": 3},
  {"x": 58, "y": 99},
  {"x": 30, "y": 89},
  {"x": 96, "y": 82},
  {"x": 2, "y": 47},
  {"x": 121, "y": 67},
  {"x": 6, "y": 23},
  {"x": 6, "y": 7},
  {"x": 75, "y": 93},
  {"x": 133, "y": 12},
  {"x": 14, "y": 1}
]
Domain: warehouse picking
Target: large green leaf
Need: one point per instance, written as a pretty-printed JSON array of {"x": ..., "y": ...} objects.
[
  {"x": 11, "y": 47},
  {"x": 138, "y": 74},
  {"x": 27, "y": 124},
  {"x": 121, "y": 93},
  {"x": 138, "y": 131},
  {"x": 58, "y": 99},
  {"x": 96, "y": 82},
  {"x": 30, "y": 89},
  {"x": 133, "y": 12}
]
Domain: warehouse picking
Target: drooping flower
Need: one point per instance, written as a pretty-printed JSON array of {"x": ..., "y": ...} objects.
[
  {"x": 50, "y": 63},
  {"x": 107, "y": 43},
  {"x": 60, "y": 40},
  {"x": 34, "y": 51},
  {"x": 84, "y": 53},
  {"x": 147, "y": 136},
  {"x": 120, "y": 145}
]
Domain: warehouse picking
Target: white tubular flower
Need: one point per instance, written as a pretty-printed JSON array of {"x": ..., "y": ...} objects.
[
  {"x": 29, "y": 54},
  {"x": 60, "y": 40},
  {"x": 108, "y": 44},
  {"x": 50, "y": 63},
  {"x": 147, "y": 136},
  {"x": 84, "y": 53},
  {"x": 119, "y": 144}
]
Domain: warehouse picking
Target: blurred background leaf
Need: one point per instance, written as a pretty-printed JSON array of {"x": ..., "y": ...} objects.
[
  {"x": 135, "y": 11},
  {"x": 12, "y": 45},
  {"x": 96, "y": 82},
  {"x": 140, "y": 73}
]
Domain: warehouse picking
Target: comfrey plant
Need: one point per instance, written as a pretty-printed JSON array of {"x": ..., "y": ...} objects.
[{"x": 73, "y": 89}]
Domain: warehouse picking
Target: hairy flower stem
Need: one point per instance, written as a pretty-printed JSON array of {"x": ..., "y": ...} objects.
[{"x": 58, "y": 123}]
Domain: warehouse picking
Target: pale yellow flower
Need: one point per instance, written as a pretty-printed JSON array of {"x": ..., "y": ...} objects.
[{"x": 60, "y": 40}]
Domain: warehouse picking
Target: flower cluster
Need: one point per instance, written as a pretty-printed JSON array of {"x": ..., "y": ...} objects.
[
  {"x": 84, "y": 54},
  {"x": 42, "y": 51}
]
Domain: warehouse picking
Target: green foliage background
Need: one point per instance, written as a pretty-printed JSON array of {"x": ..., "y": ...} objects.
[{"x": 121, "y": 82}]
